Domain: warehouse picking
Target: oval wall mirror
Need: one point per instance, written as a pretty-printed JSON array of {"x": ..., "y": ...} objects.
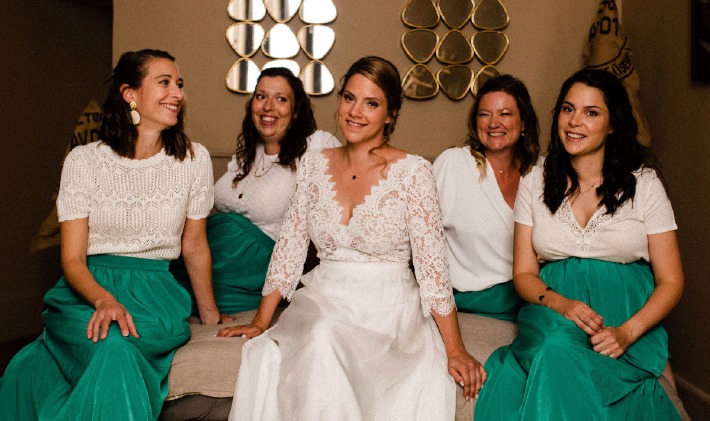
[
  {"x": 317, "y": 11},
  {"x": 454, "y": 48},
  {"x": 420, "y": 83},
  {"x": 420, "y": 14},
  {"x": 316, "y": 40},
  {"x": 490, "y": 14},
  {"x": 455, "y": 80},
  {"x": 242, "y": 76},
  {"x": 246, "y": 10},
  {"x": 317, "y": 79},
  {"x": 282, "y": 10},
  {"x": 490, "y": 46},
  {"x": 245, "y": 37},
  {"x": 488, "y": 71},
  {"x": 420, "y": 44},
  {"x": 280, "y": 42},
  {"x": 455, "y": 13},
  {"x": 289, "y": 64}
]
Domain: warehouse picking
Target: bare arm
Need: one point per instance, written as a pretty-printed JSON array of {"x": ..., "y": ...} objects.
[
  {"x": 668, "y": 274},
  {"x": 74, "y": 244},
  {"x": 198, "y": 261},
  {"x": 465, "y": 369},
  {"x": 527, "y": 282}
]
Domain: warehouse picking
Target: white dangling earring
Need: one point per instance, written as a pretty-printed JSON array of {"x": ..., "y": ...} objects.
[{"x": 135, "y": 117}]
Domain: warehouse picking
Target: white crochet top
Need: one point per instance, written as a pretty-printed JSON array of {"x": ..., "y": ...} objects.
[{"x": 135, "y": 208}]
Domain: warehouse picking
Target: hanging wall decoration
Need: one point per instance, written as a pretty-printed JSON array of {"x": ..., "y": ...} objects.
[
  {"x": 466, "y": 55},
  {"x": 256, "y": 39}
]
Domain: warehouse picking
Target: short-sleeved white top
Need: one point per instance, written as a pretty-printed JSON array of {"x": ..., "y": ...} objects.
[
  {"x": 263, "y": 195},
  {"x": 622, "y": 237},
  {"x": 135, "y": 208}
]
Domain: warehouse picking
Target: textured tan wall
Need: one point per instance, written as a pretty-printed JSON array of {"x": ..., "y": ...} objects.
[
  {"x": 678, "y": 112},
  {"x": 547, "y": 37}
]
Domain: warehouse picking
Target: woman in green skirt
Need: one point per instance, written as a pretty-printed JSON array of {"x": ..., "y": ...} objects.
[
  {"x": 596, "y": 260},
  {"x": 477, "y": 185},
  {"x": 127, "y": 205},
  {"x": 254, "y": 193}
]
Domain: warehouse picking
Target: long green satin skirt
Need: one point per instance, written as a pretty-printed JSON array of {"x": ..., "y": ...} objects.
[
  {"x": 499, "y": 302},
  {"x": 551, "y": 372},
  {"x": 62, "y": 375},
  {"x": 240, "y": 258}
]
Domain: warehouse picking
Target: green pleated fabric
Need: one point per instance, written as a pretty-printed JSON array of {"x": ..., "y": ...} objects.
[
  {"x": 499, "y": 302},
  {"x": 550, "y": 371},
  {"x": 240, "y": 258},
  {"x": 62, "y": 375}
]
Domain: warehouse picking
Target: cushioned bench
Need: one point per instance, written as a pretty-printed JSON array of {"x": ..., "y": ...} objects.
[{"x": 204, "y": 371}]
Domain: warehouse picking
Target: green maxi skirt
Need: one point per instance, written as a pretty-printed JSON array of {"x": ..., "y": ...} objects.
[
  {"x": 551, "y": 372},
  {"x": 62, "y": 375},
  {"x": 499, "y": 302},
  {"x": 240, "y": 258}
]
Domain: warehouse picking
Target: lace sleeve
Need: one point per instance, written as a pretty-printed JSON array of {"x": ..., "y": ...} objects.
[
  {"x": 426, "y": 236},
  {"x": 289, "y": 255}
]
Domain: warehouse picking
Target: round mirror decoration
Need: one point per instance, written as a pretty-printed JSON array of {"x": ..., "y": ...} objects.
[
  {"x": 466, "y": 38},
  {"x": 268, "y": 34}
]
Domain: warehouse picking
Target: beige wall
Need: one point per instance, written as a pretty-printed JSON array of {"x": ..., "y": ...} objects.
[
  {"x": 196, "y": 36},
  {"x": 54, "y": 56}
]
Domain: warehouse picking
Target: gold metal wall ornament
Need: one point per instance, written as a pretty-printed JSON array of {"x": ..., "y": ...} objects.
[
  {"x": 455, "y": 80},
  {"x": 420, "y": 44},
  {"x": 287, "y": 63},
  {"x": 316, "y": 40},
  {"x": 455, "y": 13},
  {"x": 318, "y": 11},
  {"x": 317, "y": 79},
  {"x": 246, "y": 10},
  {"x": 282, "y": 10},
  {"x": 280, "y": 42},
  {"x": 420, "y": 83},
  {"x": 420, "y": 14},
  {"x": 245, "y": 37},
  {"x": 464, "y": 61},
  {"x": 487, "y": 72},
  {"x": 454, "y": 48},
  {"x": 490, "y": 14},
  {"x": 242, "y": 77},
  {"x": 490, "y": 46}
]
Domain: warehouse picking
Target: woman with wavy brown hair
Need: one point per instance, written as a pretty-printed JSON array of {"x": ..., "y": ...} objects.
[
  {"x": 127, "y": 205},
  {"x": 477, "y": 185}
]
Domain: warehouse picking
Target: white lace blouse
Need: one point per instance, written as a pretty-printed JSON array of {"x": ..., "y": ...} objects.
[
  {"x": 263, "y": 195},
  {"x": 398, "y": 220},
  {"x": 621, "y": 238},
  {"x": 135, "y": 208}
]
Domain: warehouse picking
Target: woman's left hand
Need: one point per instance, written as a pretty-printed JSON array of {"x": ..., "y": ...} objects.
[
  {"x": 468, "y": 373},
  {"x": 611, "y": 341}
]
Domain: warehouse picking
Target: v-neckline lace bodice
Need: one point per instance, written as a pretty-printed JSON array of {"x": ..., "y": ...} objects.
[{"x": 398, "y": 220}]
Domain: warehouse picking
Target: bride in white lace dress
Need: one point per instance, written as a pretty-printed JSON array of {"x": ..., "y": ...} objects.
[{"x": 357, "y": 341}]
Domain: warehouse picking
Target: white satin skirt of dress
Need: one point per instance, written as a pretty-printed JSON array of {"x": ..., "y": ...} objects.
[{"x": 352, "y": 345}]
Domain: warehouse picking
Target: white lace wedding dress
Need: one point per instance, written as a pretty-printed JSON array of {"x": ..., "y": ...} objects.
[{"x": 357, "y": 341}]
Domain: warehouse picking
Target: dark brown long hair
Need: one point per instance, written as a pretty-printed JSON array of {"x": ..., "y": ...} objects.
[
  {"x": 117, "y": 129},
  {"x": 623, "y": 154},
  {"x": 294, "y": 143}
]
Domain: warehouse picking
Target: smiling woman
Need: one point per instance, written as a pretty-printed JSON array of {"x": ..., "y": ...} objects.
[
  {"x": 127, "y": 205},
  {"x": 398, "y": 365},
  {"x": 253, "y": 195}
]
